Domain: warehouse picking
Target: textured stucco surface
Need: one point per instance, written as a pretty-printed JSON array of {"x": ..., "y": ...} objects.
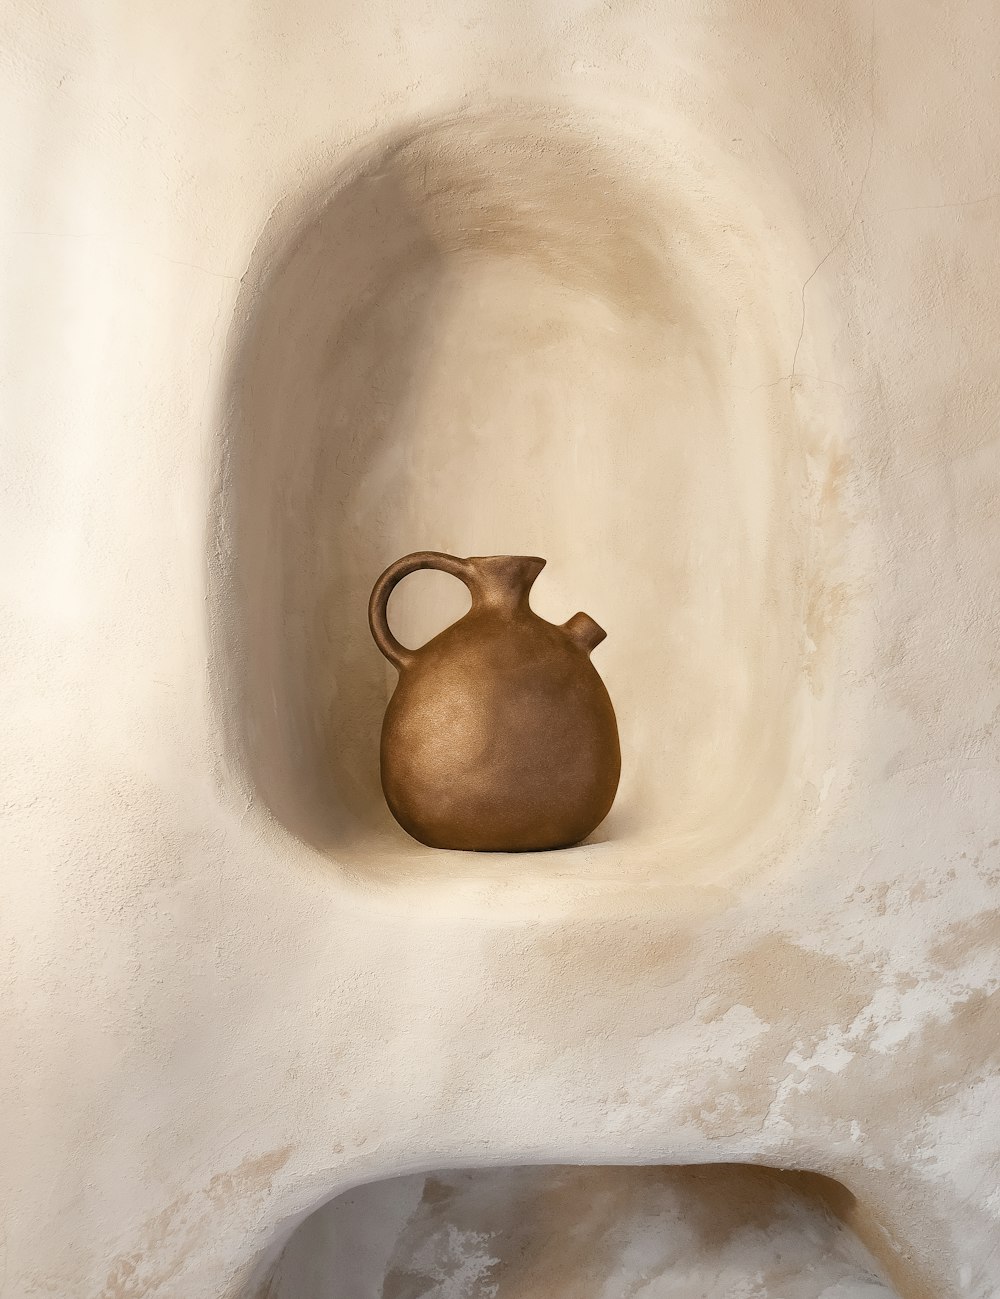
[{"x": 217, "y": 1015}]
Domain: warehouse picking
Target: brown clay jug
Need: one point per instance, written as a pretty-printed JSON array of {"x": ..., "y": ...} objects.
[{"x": 500, "y": 735}]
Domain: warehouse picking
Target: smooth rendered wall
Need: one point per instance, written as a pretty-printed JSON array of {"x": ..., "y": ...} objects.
[{"x": 213, "y": 1025}]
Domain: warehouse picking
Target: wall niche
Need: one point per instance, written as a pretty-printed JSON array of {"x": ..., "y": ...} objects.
[{"x": 529, "y": 330}]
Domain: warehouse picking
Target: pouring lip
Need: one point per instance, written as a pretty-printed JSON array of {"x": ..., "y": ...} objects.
[
  {"x": 513, "y": 567},
  {"x": 503, "y": 581},
  {"x": 534, "y": 559}
]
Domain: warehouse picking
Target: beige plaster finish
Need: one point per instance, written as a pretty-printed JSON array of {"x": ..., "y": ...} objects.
[{"x": 228, "y": 1000}]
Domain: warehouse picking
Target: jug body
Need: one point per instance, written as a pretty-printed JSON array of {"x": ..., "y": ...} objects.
[{"x": 500, "y": 735}]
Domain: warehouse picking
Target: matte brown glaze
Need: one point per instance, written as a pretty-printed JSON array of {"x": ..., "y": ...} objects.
[{"x": 500, "y": 735}]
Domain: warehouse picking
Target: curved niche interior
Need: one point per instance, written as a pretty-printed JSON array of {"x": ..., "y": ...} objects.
[
  {"x": 507, "y": 332},
  {"x": 519, "y": 1233}
]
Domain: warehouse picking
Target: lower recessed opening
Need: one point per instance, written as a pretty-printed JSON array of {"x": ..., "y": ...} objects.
[{"x": 725, "y": 1231}]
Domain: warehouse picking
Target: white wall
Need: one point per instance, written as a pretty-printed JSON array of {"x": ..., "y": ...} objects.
[{"x": 212, "y": 1026}]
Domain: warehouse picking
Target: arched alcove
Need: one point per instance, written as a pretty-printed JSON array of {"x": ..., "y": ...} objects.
[
  {"x": 513, "y": 331},
  {"x": 725, "y": 1231}
]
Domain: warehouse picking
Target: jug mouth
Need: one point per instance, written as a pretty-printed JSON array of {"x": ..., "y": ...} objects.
[
  {"x": 520, "y": 561},
  {"x": 504, "y": 580},
  {"x": 511, "y": 567},
  {"x": 534, "y": 559}
]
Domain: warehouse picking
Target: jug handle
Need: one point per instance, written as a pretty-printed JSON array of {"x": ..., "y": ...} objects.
[{"x": 398, "y": 655}]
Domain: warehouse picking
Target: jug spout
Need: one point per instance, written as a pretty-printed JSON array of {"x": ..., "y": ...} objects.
[
  {"x": 587, "y": 633},
  {"x": 503, "y": 581}
]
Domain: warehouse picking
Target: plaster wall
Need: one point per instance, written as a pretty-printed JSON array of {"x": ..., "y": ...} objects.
[{"x": 225, "y": 1006}]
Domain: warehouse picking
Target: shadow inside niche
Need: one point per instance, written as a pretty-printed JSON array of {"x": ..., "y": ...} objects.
[
  {"x": 321, "y": 385},
  {"x": 705, "y": 1232}
]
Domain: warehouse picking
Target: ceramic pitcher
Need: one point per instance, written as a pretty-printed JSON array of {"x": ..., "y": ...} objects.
[{"x": 500, "y": 735}]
